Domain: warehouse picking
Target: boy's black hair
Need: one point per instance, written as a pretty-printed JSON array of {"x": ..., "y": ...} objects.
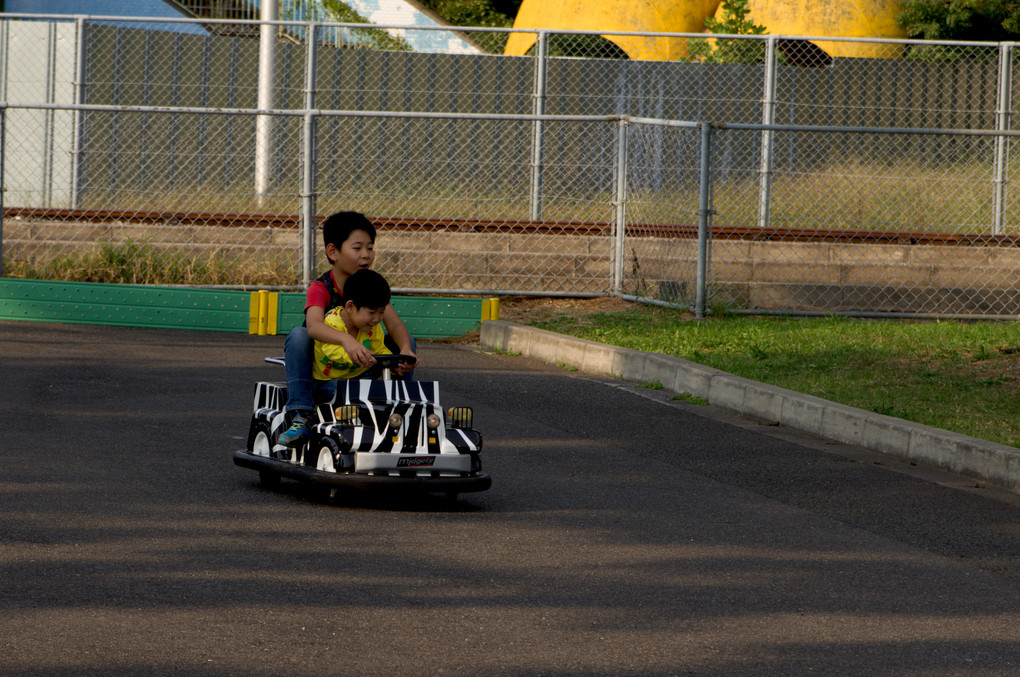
[
  {"x": 338, "y": 227},
  {"x": 367, "y": 289}
]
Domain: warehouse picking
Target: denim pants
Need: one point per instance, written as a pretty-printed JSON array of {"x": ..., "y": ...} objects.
[{"x": 304, "y": 391}]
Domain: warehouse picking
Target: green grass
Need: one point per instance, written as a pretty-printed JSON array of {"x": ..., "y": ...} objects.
[
  {"x": 691, "y": 399},
  {"x": 958, "y": 376},
  {"x": 134, "y": 262}
]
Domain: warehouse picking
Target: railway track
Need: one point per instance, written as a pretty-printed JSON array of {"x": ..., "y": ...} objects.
[{"x": 594, "y": 228}]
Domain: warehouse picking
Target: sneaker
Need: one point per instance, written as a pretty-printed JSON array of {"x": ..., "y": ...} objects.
[{"x": 297, "y": 434}]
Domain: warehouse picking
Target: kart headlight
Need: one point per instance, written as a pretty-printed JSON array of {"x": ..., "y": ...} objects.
[
  {"x": 433, "y": 420},
  {"x": 347, "y": 414},
  {"x": 396, "y": 421},
  {"x": 460, "y": 417}
]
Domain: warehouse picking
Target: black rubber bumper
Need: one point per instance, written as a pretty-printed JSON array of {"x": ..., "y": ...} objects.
[{"x": 437, "y": 485}]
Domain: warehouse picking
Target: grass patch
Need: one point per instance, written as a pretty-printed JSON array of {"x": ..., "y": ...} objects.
[
  {"x": 500, "y": 351},
  {"x": 691, "y": 399},
  {"x": 133, "y": 262},
  {"x": 957, "y": 376}
]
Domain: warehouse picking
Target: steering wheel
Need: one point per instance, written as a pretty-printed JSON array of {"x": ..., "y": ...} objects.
[{"x": 391, "y": 361}]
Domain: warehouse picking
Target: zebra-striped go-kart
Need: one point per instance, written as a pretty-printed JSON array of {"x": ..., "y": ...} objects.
[{"x": 374, "y": 434}]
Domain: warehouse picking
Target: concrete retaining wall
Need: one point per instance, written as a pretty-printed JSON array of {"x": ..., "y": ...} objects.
[{"x": 824, "y": 276}]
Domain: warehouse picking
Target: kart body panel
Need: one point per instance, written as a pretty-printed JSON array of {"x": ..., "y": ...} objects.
[{"x": 374, "y": 434}]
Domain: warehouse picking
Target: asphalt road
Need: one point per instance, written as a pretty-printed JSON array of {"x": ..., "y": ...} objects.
[{"x": 625, "y": 533}]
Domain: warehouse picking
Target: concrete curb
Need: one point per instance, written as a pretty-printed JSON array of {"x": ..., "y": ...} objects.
[{"x": 986, "y": 461}]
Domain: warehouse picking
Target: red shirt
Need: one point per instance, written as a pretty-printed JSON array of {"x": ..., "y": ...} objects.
[{"x": 318, "y": 293}]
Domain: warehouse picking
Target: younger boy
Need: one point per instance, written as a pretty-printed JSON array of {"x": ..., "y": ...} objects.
[
  {"x": 366, "y": 296},
  {"x": 349, "y": 240}
]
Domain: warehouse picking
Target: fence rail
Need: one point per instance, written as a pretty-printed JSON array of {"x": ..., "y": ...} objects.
[{"x": 861, "y": 185}]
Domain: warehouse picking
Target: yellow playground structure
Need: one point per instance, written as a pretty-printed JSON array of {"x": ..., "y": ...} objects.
[{"x": 828, "y": 18}]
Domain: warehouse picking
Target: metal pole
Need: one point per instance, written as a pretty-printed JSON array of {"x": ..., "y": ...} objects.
[
  {"x": 3, "y": 182},
  {"x": 266, "y": 97},
  {"x": 1002, "y": 112},
  {"x": 49, "y": 124},
  {"x": 541, "y": 49},
  {"x": 704, "y": 220},
  {"x": 768, "y": 117},
  {"x": 308, "y": 188},
  {"x": 620, "y": 205},
  {"x": 80, "y": 75}
]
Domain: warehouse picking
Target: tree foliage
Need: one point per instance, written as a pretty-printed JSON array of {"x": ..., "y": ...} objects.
[
  {"x": 978, "y": 20},
  {"x": 336, "y": 10},
  {"x": 734, "y": 21},
  {"x": 487, "y": 13}
]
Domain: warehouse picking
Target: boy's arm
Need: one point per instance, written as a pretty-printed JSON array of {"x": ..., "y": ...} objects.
[
  {"x": 315, "y": 317},
  {"x": 398, "y": 332}
]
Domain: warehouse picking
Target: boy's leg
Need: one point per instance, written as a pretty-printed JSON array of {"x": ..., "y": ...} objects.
[
  {"x": 324, "y": 391},
  {"x": 298, "y": 352}
]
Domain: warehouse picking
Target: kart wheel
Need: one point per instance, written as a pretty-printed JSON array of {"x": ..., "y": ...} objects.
[
  {"x": 261, "y": 439},
  {"x": 325, "y": 459}
]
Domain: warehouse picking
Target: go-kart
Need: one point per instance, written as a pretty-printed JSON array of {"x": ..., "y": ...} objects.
[{"x": 379, "y": 433}]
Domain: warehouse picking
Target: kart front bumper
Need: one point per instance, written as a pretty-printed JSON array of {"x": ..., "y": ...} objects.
[{"x": 302, "y": 473}]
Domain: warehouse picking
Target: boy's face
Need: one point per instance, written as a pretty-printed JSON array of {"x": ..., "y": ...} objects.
[
  {"x": 364, "y": 318},
  {"x": 355, "y": 253}
]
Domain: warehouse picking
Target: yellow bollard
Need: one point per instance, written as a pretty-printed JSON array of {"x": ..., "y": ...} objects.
[
  {"x": 263, "y": 310},
  {"x": 272, "y": 305},
  {"x": 262, "y": 313},
  {"x": 490, "y": 309},
  {"x": 253, "y": 313}
]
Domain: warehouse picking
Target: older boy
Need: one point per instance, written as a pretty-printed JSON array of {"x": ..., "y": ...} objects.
[{"x": 349, "y": 240}]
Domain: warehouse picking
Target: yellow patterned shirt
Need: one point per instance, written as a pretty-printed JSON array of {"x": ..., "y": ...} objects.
[{"x": 333, "y": 362}]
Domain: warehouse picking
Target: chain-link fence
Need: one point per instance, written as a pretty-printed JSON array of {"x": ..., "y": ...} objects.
[{"x": 843, "y": 175}]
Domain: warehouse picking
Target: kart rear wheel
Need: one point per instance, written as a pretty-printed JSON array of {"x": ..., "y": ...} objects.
[{"x": 261, "y": 439}]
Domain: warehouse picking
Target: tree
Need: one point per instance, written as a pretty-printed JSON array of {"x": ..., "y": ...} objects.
[
  {"x": 978, "y": 20},
  {"x": 735, "y": 21},
  {"x": 336, "y": 10},
  {"x": 488, "y": 13}
]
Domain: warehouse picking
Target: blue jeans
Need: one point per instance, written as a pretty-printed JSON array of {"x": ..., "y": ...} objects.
[{"x": 304, "y": 391}]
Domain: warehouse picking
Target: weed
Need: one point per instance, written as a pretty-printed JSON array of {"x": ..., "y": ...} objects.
[
  {"x": 138, "y": 262},
  {"x": 500, "y": 351},
  {"x": 981, "y": 354},
  {"x": 691, "y": 399}
]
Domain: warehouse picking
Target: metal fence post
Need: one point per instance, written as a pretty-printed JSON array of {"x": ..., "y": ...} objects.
[
  {"x": 768, "y": 117},
  {"x": 704, "y": 220},
  {"x": 620, "y": 204},
  {"x": 541, "y": 49},
  {"x": 77, "y": 170},
  {"x": 1002, "y": 124},
  {"x": 3, "y": 182},
  {"x": 308, "y": 184},
  {"x": 266, "y": 96}
]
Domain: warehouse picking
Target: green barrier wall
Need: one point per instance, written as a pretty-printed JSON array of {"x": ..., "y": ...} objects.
[{"x": 206, "y": 309}]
